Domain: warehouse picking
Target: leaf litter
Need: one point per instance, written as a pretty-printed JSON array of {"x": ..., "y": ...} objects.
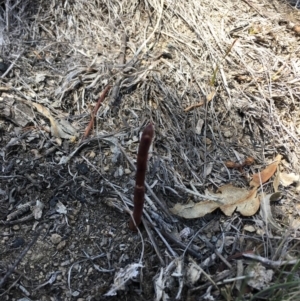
[
  {"x": 230, "y": 198},
  {"x": 221, "y": 86}
]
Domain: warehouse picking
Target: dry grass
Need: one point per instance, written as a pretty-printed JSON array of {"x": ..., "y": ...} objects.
[{"x": 240, "y": 59}]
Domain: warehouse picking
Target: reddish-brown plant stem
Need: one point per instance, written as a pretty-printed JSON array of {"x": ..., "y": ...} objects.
[
  {"x": 100, "y": 100},
  {"x": 139, "y": 191}
]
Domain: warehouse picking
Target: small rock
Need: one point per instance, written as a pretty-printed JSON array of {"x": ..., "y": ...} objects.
[
  {"x": 64, "y": 263},
  {"x": 59, "y": 277},
  {"x": 228, "y": 134},
  {"x": 61, "y": 245},
  {"x": 16, "y": 227},
  {"x": 249, "y": 228},
  {"x": 207, "y": 141},
  {"x": 36, "y": 257},
  {"x": 120, "y": 171},
  {"x": 127, "y": 171},
  {"x": 55, "y": 238},
  {"x": 296, "y": 29}
]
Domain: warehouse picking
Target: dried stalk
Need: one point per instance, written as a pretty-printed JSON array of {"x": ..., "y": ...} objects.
[
  {"x": 100, "y": 100},
  {"x": 139, "y": 191}
]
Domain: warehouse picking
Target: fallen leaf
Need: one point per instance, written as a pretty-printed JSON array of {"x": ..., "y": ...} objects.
[
  {"x": 193, "y": 272},
  {"x": 194, "y": 210},
  {"x": 164, "y": 281},
  {"x": 266, "y": 213},
  {"x": 229, "y": 199},
  {"x": 199, "y": 126},
  {"x": 40, "y": 77},
  {"x": 231, "y": 164},
  {"x": 266, "y": 174},
  {"x": 61, "y": 208},
  {"x": 62, "y": 129},
  {"x": 59, "y": 127},
  {"x": 248, "y": 161},
  {"x": 240, "y": 199},
  {"x": 259, "y": 276},
  {"x": 37, "y": 210},
  {"x": 209, "y": 97},
  {"x": 122, "y": 277},
  {"x": 286, "y": 179},
  {"x": 276, "y": 181}
]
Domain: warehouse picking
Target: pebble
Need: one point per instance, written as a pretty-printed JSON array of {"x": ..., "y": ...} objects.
[
  {"x": 61, "y": 245},
  {"x": 64, "y": 263},
  {"x": 249, "y": 228},
  {"x": 16, "y": 227},
  {"x": 55, "y": 238},
  {"x": 207, "y": 141},
  {"x": 127, "y": 171},
  {"x": 228, "y": 134},
  {"x": 296, "y": 29}
]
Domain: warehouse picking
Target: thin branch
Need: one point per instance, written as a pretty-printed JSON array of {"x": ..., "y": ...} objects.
[{"x": 100, "y": 100}]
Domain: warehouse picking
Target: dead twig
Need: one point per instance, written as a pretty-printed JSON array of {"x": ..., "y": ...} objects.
[
  {"x": 154, "y": 244},
  {"x": 100, "y": 100},
  {"x": 271, "y": 263},
  {"x": 116, "y": 88}
]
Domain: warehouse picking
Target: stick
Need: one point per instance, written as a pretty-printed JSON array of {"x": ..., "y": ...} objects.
[{"x": 100, "y": 100}]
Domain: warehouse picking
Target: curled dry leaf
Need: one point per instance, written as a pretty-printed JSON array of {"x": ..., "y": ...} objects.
[
  {"x": 37, "y": 210},
  {"x": 121, "y": 278},
  {"x": 230, "y": 198},
  {"x": 266, "y": 213},
  {"x": 59, "y": 127},
  {"x": 248, "y": 161},
  {"x": 193, "y": 272},
  {"x": 244, "y": 201},
  {"x": 266, "y": 174},
  {"x": 231, "y": 164},
  {"x": 194, "y": 210},
  {"x": 286, "y": 179},
  {"x": 260, "y": 277},
  {"x": 164, "y": 281}
]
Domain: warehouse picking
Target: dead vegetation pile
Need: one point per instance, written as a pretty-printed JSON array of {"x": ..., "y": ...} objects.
[{"x": 220, "y": 82}]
